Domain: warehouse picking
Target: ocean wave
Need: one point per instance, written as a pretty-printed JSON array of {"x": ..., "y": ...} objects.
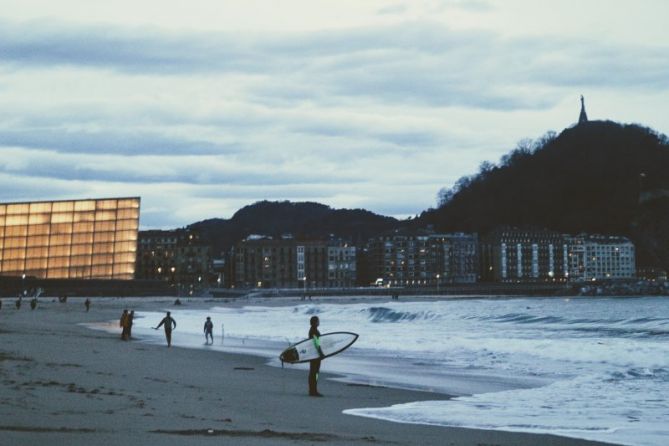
[
  {"x": 634, "y": 327},
  {"x": 621, "y": 332},
  {"x": 640, "y": 373},
  {"x": 524, "y": 318},
  {"x": 384, "y": 314}
]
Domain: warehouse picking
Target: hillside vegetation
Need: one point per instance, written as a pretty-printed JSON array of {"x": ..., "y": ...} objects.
[
  {"x": 594, "y": 177},
  {"x": 304, "y": 220}
]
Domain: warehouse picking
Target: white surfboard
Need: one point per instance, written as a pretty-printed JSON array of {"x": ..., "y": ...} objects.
[{"x": 331, "y": 344}]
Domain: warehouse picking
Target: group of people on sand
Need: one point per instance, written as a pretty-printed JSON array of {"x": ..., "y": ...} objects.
[
  {"x": 19, "y": 302},
  {"x": 168, "y": 323},
  {"x": 34, "y": 301},
  {"x": 126, "y": 324}
]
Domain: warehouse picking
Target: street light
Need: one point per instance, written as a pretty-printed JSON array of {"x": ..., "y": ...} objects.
[{"x": 438, "y": 283}]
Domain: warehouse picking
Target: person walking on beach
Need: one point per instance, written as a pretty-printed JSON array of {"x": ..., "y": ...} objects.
[
  {"x": 131, "y": 317},
  {"x": 87, "y": 303},
  {"x": 33, "y": 303},
  {"x": 208, "y": 330},
  {"x": 170, "y": 324},
  {"x": 18, "y": 303},
  {"x": 123, "y": 323},
  {"x": 315, "y": 365}
]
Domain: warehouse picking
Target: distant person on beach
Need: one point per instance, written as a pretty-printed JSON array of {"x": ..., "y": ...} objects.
[
  {"x": 315, "y": 365},
  {"x": 170, "y": 324},
  {"x": 131, "y": 318},
  {"x": 18, "y": 303},
  {"x": 123, "y": 323},
  {"x": 208, "y": 330},
  {"x": 33, "y": 303},
  {"x": 87, "y": 303}
]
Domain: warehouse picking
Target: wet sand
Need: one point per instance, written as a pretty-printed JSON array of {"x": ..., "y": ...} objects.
[{"x": 64, "y": 384}]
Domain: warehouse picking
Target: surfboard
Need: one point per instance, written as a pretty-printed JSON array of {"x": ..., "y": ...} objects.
[{"x": 331, "y": 344}]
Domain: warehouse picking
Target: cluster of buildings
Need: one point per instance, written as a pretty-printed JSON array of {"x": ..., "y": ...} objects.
[
  {"x": 398, "y": 259},
  {"x": 100, "y": 239},
  {"x": 514, "y": 255}
]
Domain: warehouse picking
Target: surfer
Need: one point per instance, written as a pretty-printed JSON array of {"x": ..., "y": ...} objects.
[
  {"x": 170, "y": 324},
  {"x": 315, "y": 365},
  {"x": 208, "y": 330}
]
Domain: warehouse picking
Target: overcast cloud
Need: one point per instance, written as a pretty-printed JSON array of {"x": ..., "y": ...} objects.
[{"x": 201, "y": 111}]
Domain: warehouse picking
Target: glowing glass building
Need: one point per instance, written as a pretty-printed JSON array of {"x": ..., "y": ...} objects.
[{"x": 74, "y": 239}]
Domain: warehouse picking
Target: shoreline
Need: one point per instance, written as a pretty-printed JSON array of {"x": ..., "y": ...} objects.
[{"x": 63, "y": 383}]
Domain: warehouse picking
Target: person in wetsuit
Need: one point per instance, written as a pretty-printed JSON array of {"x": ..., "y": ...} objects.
[
  {"x": 170, "y": 324},
  {"x": 208, "y": 330},
  {"x": 315, "y": 365}
]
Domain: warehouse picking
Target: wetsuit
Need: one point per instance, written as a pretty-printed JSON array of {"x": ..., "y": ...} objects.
[
  {"x": 314, "y": 365},
  {"x": 208, "y": 331},
  {"x": 170, "y": 324}
]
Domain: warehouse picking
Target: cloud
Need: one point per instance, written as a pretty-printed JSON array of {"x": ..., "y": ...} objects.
[
  {"x": 415, "y": 62},
  {"x": 195, "y": 170},
  {"x": 397, "y": 8},
  {"x": 202, "y": 123},
  {"x": 123, "y": 49},
  {"x": 128, "y": 142}
]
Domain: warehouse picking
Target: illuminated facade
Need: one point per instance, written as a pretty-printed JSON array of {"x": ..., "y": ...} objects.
[
  {"x": 424, "y": 258},
  {"x": 525, "y": 255},
  {"x": 76, "y": 239}
]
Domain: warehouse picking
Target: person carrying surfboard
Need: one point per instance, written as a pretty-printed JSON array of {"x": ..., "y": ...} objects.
[{"x": 315, "y": 364}]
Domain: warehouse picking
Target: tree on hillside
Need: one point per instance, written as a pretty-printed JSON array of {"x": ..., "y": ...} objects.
[{"x": 585, "y": 179}]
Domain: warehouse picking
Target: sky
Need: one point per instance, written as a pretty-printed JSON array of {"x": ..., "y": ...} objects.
[{"x": 201, "y": 107}]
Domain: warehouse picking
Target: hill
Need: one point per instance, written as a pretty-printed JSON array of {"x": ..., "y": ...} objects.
[
  {"x": 304, "y": 220},
  {"x": 597, "y": 177}
]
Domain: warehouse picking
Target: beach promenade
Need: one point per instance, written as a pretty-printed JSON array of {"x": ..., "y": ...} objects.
[{"x": 64, "y": 384}]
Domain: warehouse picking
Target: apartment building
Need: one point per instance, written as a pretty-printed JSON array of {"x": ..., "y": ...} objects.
[
  {"x": 266, "y": 262},
  {"x": 176, "y": 256},
  {"x": 524, "y": 255},
  {"x": 424, "y": 258},
  {"x": 600, "y": 257}
]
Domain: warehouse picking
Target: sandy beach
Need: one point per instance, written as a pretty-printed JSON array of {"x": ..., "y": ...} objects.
[{"x": 64, "y": 384}]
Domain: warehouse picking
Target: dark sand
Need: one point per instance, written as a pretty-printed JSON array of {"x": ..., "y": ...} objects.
[{"x": 64, "y": 384}]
